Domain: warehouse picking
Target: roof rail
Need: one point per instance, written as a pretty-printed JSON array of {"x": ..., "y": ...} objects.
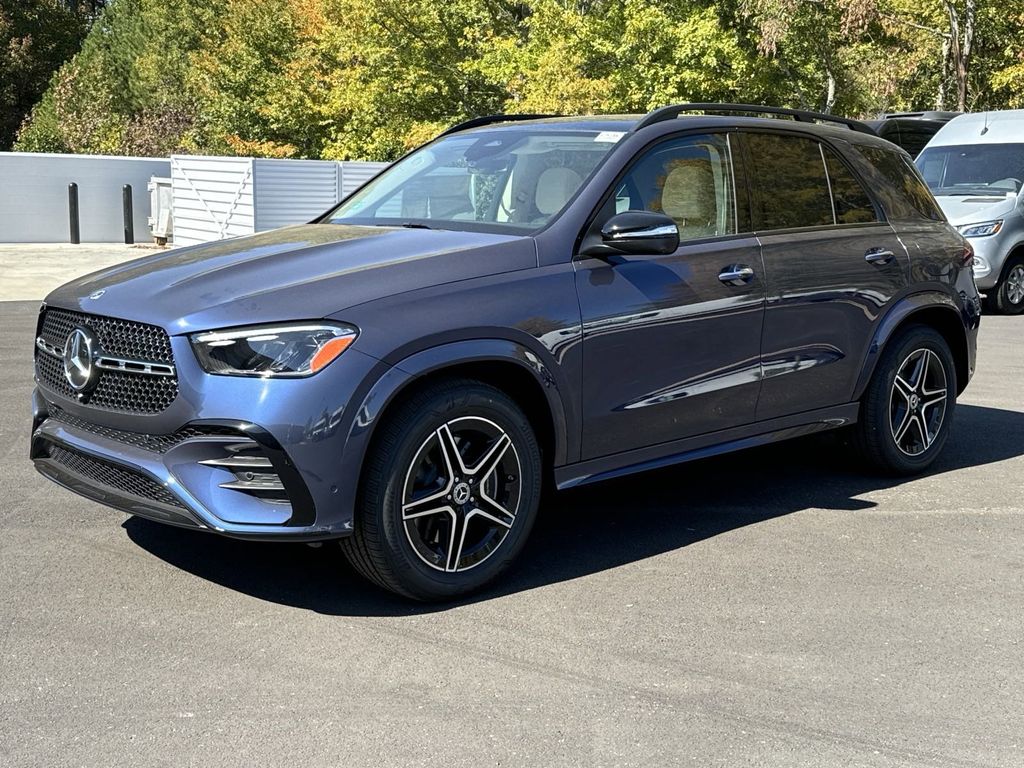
[
  {"x": 800, "y": 115},
  {"x": 476, "y": 122}
]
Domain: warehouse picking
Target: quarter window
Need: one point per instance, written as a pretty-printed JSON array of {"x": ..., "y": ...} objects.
[
  {"x": 899, "y": 185},
  {"x": 790, "y": 182},
  {"x": 688, "y": 179}
]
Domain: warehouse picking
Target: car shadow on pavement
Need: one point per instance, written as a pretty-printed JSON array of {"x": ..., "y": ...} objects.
[{"x": 594, "y": 528}]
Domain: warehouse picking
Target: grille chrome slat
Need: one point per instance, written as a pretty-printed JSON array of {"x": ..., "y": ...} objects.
[
  {"x": 137, "y": 372},
  {"x": 142, "y": 367}
]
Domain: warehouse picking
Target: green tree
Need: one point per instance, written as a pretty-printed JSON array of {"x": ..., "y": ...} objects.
[{"x": 36, "y": 37}]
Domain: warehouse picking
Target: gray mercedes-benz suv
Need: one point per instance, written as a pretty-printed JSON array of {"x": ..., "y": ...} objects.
[{"x": 522, "y": 299}]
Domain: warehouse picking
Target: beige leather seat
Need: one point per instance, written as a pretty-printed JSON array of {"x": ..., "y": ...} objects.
[
  {"x": 688, "y": 196},
  {"x": 554, "y": 188}
]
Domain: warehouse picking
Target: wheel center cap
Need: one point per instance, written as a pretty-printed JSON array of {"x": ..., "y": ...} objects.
[
  {"x": 914, "y": 402},
  {"x": 461, "y": 493}
]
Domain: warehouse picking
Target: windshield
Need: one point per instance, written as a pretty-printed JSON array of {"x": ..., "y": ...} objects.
[
  {"x": 973, "y": 169},
  {"x": 515, "y": 180}
]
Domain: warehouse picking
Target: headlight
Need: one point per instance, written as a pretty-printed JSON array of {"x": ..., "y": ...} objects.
[
  {"x": 299, "y": 349},
  {"x": 981, "y": 230}
]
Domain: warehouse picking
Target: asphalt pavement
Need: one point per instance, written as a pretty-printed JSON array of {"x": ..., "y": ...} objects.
[{"x": 770, "y": 608}]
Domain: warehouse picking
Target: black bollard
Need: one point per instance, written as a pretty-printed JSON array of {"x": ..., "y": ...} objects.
[
  {"x": 76, "y": 232},
  {"x": 129, "y": 220}
]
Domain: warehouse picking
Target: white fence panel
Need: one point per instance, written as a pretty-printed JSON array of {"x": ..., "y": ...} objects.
[
  {"x": 356, "y": 173},
  {"x": 218, "y": 197},
  {"x": 34, "y": 196},
  {"x": 293, "y": 191},
  {"x": 213, "y": 198}
]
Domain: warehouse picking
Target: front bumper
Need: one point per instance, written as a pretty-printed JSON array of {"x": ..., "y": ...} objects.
[
  {"x": 988, "y": 260},
  {"x": 164, "y": 477}
]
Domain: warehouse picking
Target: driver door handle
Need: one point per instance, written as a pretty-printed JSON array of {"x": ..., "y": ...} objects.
[{"x": 736, "y": 274}]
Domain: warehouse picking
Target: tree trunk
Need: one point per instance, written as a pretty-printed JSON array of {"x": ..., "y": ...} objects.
[
  {"x": 830, "y": 94},
  {"x": 961, "y": 39},
  {"x": 966, "y": 48},
  {"x": 940, "y": 94}
]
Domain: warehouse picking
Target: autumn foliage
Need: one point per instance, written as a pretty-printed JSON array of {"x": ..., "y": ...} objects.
[{"x": 368, "y": 79}]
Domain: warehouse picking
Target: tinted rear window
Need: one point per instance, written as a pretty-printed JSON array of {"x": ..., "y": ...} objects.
[
  {"x": 791, "y": 188},
  {"x": 899, "y": 185}
]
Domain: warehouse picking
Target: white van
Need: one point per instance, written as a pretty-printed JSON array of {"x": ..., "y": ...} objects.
[{"x": 974, "y": 166}]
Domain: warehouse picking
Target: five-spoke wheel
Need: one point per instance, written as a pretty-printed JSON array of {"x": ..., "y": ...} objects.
[
  {"x": 908, "y": 405},
  {"x": 917, "y": 404},
  {"x": 449, "y": 493},
  {"x": 461, "y": 494}
]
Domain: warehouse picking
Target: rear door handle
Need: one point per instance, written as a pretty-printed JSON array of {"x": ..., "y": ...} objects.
[
  {"x": 879, "y": 256},
  {"x": 736, "y": 274}
]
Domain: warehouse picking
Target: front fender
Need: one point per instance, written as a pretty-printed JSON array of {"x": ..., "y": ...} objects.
[
  {"x": 900, "y": 312},
  {"x": 399, "y": 375}
]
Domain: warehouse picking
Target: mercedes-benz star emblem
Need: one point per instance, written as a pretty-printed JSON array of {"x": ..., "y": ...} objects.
[{"x": 79, "y": 351}]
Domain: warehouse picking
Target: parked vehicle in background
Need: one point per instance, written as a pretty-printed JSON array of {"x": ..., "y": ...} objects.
[
  {"x": 520, "y": 299},
  {"x": 911, "y": 130},
  {"x": 975, "y": 168}
]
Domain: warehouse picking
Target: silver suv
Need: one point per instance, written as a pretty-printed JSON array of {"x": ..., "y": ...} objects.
[{"x": 975, "y": 168}]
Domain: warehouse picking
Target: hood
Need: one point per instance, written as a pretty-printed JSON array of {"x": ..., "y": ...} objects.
[
  {"x": 974, "y": 209},
  {"x": 296, "y": 273}
]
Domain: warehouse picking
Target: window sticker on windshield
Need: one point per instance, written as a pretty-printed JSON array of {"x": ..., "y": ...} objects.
[{"x": 609, "y": 136}]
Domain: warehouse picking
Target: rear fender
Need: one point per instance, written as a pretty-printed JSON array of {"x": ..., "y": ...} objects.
[{"x": 901, "y": 312}]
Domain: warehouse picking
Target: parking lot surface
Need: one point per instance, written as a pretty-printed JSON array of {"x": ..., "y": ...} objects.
[
  {"x": 32, "y": 270},
  {"x": 770, "y": 608}
]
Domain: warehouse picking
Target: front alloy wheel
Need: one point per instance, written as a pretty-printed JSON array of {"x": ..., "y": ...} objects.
[
  {"x": 449, "y": 492},
  {"x": 1009, "y": 294},
  {"x": 461, "y": 494}
]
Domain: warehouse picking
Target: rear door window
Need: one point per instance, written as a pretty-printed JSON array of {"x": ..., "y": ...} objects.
[
  {"x": 790, "y": 182},
  {"x": 852, "y": 203}
]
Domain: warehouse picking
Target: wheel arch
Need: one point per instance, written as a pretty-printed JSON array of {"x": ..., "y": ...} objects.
[
  {"x": 933, "y": 309},
  {"x": 504, "y": 364}
]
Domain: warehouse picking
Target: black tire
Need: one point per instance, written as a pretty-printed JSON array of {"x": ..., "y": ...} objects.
[
  {"x": 398, "y": 542},
  {"x": 887, "y": 409},
  {"x": 1008, "y": 296}
]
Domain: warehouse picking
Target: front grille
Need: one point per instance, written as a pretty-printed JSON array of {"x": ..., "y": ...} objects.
[
  {"x": 155, "y": 443},
  {"x": 111, "y": 475},
  {"x": 122, "y": 391},
  {"x": 121, "y": 338}
]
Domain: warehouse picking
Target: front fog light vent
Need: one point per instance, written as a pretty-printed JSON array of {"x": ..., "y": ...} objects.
[{"x": 250, "y": 469}]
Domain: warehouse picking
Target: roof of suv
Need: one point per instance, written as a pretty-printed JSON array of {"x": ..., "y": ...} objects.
[{"x": 627, "y": 123}]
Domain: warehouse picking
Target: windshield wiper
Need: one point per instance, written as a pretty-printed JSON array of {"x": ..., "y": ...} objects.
[{"x": 414, "y": 225}]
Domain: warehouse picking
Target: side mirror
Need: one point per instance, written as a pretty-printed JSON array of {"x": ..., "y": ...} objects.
[{"x": 639, "y": 232}]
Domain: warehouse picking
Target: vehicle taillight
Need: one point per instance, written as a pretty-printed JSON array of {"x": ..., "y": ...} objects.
[{"x": 967, "y": 258}]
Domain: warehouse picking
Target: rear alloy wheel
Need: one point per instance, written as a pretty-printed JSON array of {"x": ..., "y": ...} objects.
[
  {"x": 907, "y": 408},
  {"x": 917, "y": 403},
  {"x": 449, "y": 494},
  {"x": 1009, "y": 294}
]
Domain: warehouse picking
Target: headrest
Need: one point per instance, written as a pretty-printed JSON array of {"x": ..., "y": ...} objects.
[
  {"x": 689, "y": 190},
  {"x": 554, "y": 188}
]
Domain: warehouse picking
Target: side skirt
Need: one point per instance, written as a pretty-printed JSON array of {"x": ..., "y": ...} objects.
[{"x": 703, "y": 446}]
